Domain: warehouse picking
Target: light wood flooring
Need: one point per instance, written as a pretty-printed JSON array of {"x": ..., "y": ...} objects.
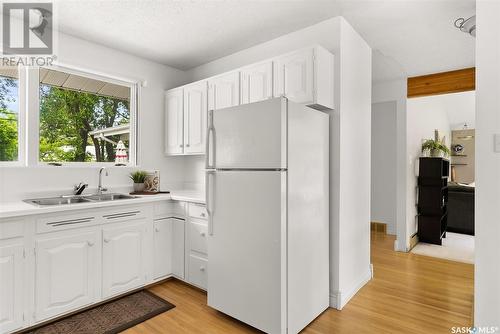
[{"x": 409, "y": 294}]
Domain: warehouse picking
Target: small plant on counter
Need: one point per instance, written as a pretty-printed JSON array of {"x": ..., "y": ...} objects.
[{"x": 138, "y": 178}]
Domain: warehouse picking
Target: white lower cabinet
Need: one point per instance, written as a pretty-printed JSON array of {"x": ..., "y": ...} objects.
[
  {"x": 197, "y": 271},
  {"x": 53, "y": 264},
  {"x": 178, "y": 232},
  {"x": 66, "y": 273},
  {"x": 11, "y": 287},
  {"x": 163, "y": 246},
  {"x": 196, "y": 246},
  {"x": 123, "y": 260}
]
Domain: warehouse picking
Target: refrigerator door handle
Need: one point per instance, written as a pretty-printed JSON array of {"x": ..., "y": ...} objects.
[
  {"x": 210, "y": 130},
  {"x": 208, "y": 193}
]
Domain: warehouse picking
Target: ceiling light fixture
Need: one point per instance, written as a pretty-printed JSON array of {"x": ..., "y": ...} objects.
[{"x": 467, "y": 25}]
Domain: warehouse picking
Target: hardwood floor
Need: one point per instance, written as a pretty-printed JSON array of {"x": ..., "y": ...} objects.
[{"x": 409, "y": 294}]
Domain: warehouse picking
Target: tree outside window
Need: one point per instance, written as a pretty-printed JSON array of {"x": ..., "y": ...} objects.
[
  {"x": 72, "y": 108},
  {"x": 9, "y": 115}
]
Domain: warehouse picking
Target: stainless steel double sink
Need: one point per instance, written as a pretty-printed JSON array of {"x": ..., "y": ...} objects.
[{"x": 63, "y": 200}]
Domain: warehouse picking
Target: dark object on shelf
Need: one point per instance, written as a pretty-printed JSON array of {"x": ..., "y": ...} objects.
[
  {"x": 433, "y": 199},
  {"x": 461, "y": 209}
]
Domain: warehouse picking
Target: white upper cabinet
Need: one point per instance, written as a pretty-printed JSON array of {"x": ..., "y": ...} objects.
[
  {"x": 293, "y": 76},
  {"x": 256, "y": 82},
  {"x": 306, "y": 76},
  {"x": 224, "y": 91},
  {"x": 195, "y": 117},
  {"x": 11, "y": 288},
  {"x": 66, "y": 272},
  {"x": 123, "y": 257},
  {"x": 174, "y": 121}
]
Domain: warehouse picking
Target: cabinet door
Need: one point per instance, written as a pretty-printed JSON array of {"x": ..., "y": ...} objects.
[
  {"x": 11, "y": 287},
  {"x": 123, "y": 266},
  {"x": 163, "y": 246},
  {"x": 195, "y": 117},
  {"x": 257, "y": 82},
  {"x": 224, "y": 91},
  {"x": 174, "y": 122},
  {"x": 178, "y": 226},
  {"x": 66, "y": 272},
  {"x": 294, "y": 76}
]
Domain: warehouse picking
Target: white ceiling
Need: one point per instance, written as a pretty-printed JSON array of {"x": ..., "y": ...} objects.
[{"x": 409, "y": 37}]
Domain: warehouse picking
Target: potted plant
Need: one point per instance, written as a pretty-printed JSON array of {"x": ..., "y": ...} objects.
[
  {"x": 435, "y": 148},
  {"x": 138, "y": 177}
]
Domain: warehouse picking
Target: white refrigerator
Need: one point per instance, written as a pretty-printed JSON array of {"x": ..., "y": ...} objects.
[{"x": 267, "y": 200}]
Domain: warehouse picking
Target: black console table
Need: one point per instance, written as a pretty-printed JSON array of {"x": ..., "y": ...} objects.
[{"x": 433, "y": 199}]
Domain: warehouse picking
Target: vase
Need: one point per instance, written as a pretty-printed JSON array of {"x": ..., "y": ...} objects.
[
  {"x": 138, "y": 187},
  {"x": 436, "y": 154}
]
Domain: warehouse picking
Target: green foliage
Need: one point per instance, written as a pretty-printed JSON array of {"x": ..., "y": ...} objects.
[
  {"x": 66, "y": 119},
  {"x": 138, "y": 176},
  {"x": 431, "y": 145},
  {"x": 8, "y": 121},
  {"x": 8, "y": 136}
]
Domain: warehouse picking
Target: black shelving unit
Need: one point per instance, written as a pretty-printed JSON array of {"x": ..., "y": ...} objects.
[{"x": 433, "y": 199}]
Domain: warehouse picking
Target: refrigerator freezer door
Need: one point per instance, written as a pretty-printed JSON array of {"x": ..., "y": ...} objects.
[
  {"x": 250, "y": 136},
  {"x": 247, "y": 247}
]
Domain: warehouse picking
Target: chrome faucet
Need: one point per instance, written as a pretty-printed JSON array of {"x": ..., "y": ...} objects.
[{"x": 100, "y": 188}]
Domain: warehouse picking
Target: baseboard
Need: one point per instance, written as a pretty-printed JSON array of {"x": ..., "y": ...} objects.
[
  {"x": 339, "y": 299},
  {"x": 378, "y": 227},
  {"x": 398, "y": 247}
]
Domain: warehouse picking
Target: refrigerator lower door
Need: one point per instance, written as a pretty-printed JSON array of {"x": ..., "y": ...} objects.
[
  {"x": 248, "y": 136},
  {"x": 247, "y": 247}
]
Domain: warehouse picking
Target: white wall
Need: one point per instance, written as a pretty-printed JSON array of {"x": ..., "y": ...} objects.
[
  {"x": 424, "y": 115},
  {"x": 349, "y": 132},
  {"x": 487, "y": 261},
  {"x": 395, "y": 90},
  {"x": 17, "y": 182},
  {"x": 384, "y": 160},
  {"x": 351, "y": 182}
]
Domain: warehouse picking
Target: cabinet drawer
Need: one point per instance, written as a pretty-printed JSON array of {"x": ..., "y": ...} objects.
[
  {"x": 198, "y": 268},
  {"x": 169, "y": 208},
  {"x": 11, "y": 229},
  {"x": 197, "y": 211},
  {"x": 198, "y": 236},
  {"x": 66, "y": 221}
]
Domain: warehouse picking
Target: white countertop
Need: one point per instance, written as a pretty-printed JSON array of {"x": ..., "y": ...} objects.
[{"x": 20, "y": 208}]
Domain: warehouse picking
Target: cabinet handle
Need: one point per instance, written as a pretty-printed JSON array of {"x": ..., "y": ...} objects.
[
  {"x": 180, "y": 145},
  {"x": 157, "y": 229},
  {"x": 202, "y": 234},
  {"x": 203, "y": 214},
  {"x": 90, "y": 243},
  {"x": 202, "y": 268},
  {"x": 106, "y": 240},
  {"x": 187, "y": 145}
]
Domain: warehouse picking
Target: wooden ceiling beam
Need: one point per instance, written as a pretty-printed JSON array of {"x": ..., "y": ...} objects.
[{"x": 442, "y": 83}]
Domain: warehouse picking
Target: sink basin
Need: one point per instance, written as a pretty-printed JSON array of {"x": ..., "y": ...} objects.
[
  {"x": 62, "y": 200},
  {"x": 57, "y": 201},
  {"x": 109, "y": 197}
]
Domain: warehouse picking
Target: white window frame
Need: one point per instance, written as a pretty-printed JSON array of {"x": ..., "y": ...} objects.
[
  {"x": 34, "y": 121},
  {"x": 21, "y": 123}
]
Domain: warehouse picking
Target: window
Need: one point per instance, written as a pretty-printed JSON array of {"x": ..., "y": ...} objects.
[
  {"x": 9, "y": 115},
  {"x": 83, "y": 118}
]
